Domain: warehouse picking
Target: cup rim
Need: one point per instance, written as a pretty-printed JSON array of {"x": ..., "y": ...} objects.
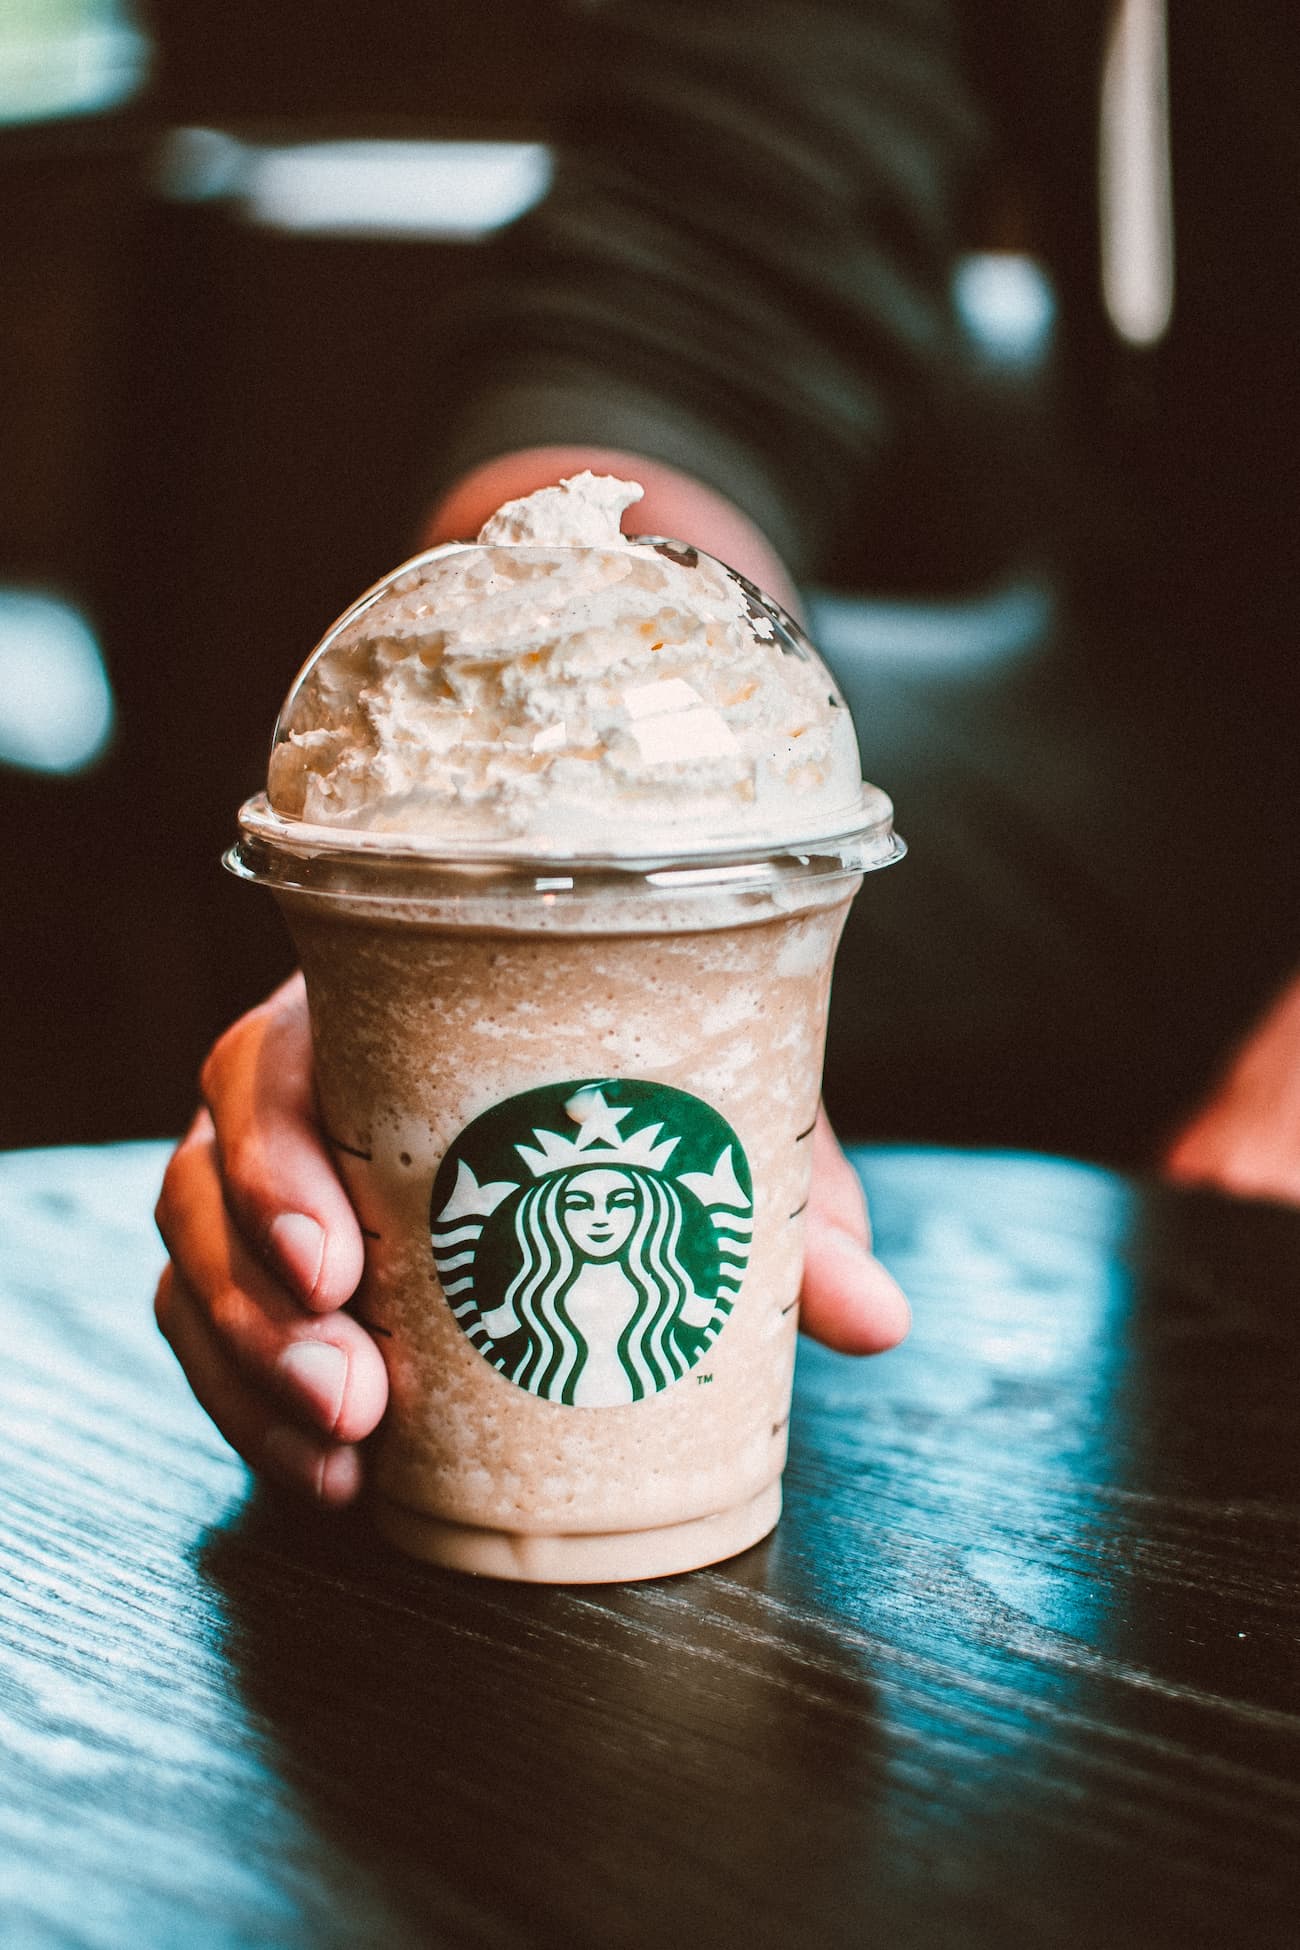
[{"x": 289, "y": 851}]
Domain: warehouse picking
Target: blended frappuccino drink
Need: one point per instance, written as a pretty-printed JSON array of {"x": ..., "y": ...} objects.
[{"x": 565, "y": 828}]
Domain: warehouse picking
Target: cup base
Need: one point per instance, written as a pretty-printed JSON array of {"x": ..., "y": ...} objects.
[{"x": 589, "y": 1557}]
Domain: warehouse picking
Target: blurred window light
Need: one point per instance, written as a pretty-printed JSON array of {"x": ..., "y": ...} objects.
[
  {"x": 56, "y": 704},
  {"x": 1007, "y": 307},
  {"x": 1135, "y": 181},
  {"x": 929, "y": 636},
  {"x": 199, "y": 165},
  {"x": 435, "y": 191},
  {"x": 68, "y": 57}
]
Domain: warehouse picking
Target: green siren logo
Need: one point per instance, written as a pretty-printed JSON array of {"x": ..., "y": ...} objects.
[{"x": 591, "y": 1237}]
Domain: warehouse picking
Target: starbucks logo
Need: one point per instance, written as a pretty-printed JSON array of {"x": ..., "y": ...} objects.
[{"x": 591, "y": 1237}]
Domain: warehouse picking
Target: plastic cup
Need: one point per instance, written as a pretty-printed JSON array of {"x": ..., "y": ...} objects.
[{"x": 572, "y": 1099}]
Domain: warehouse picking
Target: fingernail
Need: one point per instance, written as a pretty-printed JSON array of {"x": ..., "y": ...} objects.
[
  {"x": 317, "y": 1372},
  {"x": 340, "y": 1478},
  {"x": 299, "y": 1247},
  {"x": 295, "y": 1457}
]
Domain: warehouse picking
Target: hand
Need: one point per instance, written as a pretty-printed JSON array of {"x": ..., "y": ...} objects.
[
  {"x": 848, "y": 1302},
  {"x": 265, "y": 1249},
  {"x": 1245, "y": 1138}
]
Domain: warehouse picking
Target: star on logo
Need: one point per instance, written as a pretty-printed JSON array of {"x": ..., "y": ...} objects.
[
  {"x": 599, "y": 1137},
  {"x": 599, "y": 1120}
]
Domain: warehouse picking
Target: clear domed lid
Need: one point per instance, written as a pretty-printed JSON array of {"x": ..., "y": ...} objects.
[{"x": 616, "y": 704}]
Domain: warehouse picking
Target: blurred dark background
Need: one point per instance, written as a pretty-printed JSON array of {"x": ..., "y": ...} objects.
[{"x": 230, "y": 236}]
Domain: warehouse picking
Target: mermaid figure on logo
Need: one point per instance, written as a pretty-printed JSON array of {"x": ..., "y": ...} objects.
[
  {"x": 601, "y": 1272},
  {"x": 600, "y": 1286}
]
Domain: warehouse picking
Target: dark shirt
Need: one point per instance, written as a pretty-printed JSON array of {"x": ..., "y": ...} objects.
[{"x": 744, "y": 269}]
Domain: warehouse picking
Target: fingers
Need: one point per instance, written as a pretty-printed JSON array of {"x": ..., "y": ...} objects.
[
  {"x": 324, "y": 1370},
  {"x": 848, "y": 1300},
  {"x": 278, "y": 1176},
  {"x": 250, "y": 1420},
  {"x": 836, "y": 1192}
]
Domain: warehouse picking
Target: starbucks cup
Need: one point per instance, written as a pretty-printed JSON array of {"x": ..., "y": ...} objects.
[{"x": 571, "y": 1090}]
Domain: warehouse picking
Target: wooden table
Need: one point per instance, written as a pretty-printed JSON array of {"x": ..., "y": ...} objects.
[{"x": 1020, "y": 1666}]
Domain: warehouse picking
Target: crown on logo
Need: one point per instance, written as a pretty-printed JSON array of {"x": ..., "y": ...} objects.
[{"x": 599, "y": 1140}]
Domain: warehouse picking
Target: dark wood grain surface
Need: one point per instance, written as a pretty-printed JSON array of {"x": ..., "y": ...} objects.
[{"x": 1021, "y": 1665}]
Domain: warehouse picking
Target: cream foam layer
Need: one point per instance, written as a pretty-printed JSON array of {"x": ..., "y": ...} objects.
[{"x": 560, "y": 686}]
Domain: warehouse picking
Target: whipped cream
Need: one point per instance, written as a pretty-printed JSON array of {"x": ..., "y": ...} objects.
[{"x": 560, "y": 687}]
